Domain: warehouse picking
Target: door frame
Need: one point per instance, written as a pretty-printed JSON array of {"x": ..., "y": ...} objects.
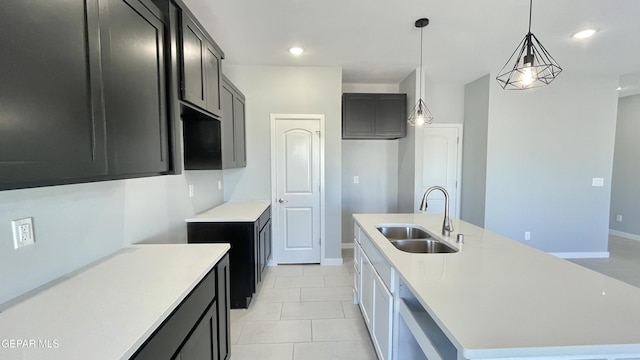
[
  {"x": 419, "y": 164},
  {"x": 274, "y": 214}
]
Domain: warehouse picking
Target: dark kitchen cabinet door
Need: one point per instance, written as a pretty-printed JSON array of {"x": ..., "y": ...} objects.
[
  {"x": 135, "y": 88},
  {"x": 240, "y": 135},
  {"x": 201, "y": 66},
  {"x": 51, "y": 120},
  {"x": 193, "y": 85},
  {"x": 390, "y": 119},
  {"x": 265, "y": 248},
  {"x": 223, "y": 291},
  {"x": 212, "y": 75},
  {"x": 202, "y": 343},
  {"x": 358, "y": 115},
  {"x": 374, "y": 116},
  {"x": 233, "y": 126}
]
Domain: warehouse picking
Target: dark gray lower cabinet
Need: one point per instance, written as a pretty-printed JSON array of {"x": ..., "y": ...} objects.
[
  {"x": 199, "y": 328},
  {"x": 250, "y": 251}
]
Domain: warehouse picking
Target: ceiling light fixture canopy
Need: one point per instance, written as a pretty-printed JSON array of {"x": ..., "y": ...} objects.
[
  {"x": 420, "y": 115},
  {"x": 533, "y": 66},
  {"x": 296, "y": 50},
  {"x": 584, "y": 34}
]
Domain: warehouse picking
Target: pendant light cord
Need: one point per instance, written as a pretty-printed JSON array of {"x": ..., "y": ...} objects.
[
  {"x": 530, "y": 11},
  {"x": 421, "y": 30}
]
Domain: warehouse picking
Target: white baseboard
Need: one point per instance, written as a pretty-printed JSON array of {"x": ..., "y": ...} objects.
[
  {"x": 624, "y": 235},
  {"x": 581, "y": 255},
  {"x": 331, "y": 261},
  {"x": 347, "y": 245}
]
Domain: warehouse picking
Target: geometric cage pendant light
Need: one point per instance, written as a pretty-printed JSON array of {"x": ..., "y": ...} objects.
[
  {"x": 533, "y": 66},
  {"x": 420, "y": 115}
]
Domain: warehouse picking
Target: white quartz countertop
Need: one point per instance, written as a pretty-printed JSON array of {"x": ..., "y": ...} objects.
[
  {"x": 108, "y": 310},
  {"x": 500, "y": 298},
  {"x": 233, "y": 211}
]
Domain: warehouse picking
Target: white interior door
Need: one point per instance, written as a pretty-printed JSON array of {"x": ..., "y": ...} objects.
[
  {"x": 441, "y": 166},
  {"x": 297, "y": 189}
]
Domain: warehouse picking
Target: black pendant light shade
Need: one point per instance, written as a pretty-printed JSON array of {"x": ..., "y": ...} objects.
[
  {"x": 420, "y": 115},
  {"x": 533, "y": 66}
]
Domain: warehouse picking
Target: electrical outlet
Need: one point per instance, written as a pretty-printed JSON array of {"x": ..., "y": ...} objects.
[
  {"x": 22, "y": 232},
  {"x": 219, "y": 184},
  {"x": 619, "y": 218},
  {"x": 192, "y": 190},
  {"x": 597, "y": 182},
  {"x": 527, "y": 235},
  {"x": 356, "y": 179}
]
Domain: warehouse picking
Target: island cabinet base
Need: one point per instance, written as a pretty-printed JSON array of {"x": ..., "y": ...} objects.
[{"x": 198, "y": 328}]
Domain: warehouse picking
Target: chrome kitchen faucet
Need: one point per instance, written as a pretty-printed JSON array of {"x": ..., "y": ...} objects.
[{"x": 447, "y": 226}]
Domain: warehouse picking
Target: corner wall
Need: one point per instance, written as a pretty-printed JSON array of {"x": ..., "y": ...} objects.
[
  {"x": 544, "y": 147},
  {"x": 474, "y": 153},
  {"x": 407, "y": 151},
  {"x": 625, "y": 192}
]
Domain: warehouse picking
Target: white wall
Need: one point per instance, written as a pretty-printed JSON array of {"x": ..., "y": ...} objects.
[
  {"x": 544, "y": 147},
  {"x": 289, "y": 90},
  {"x": 375, "y": 162},
  {"x": 77, "y": 224},
  {"x": 625, "y": 192}
]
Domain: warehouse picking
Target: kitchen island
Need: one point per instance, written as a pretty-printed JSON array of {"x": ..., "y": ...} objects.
[
  {"x": 494, "y": 298},
  {"x": 142, "y": 302}
]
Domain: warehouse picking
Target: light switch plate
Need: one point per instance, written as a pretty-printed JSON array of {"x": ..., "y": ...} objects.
[
  {"x": 192, "y": 190},
  {"x": 597, "y": 182},
  {"x": 22, "y": 232}
]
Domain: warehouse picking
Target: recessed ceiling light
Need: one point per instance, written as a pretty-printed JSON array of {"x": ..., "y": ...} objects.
[
  {"x": 584, "y": 34},
  {"x": 296, "y": 50}
]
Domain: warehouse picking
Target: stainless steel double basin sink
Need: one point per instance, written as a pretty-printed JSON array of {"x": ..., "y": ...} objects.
[{"x": 414, "y": 240}]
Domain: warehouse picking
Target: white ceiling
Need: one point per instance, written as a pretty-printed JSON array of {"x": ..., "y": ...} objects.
[{"x": 375, "y": 41}]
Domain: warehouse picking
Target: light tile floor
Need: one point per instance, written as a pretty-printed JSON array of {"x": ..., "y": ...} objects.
[
  {"x": 623, "y": 262},
  {"x": 302, "y": 312},
  {"x": 306, "y": 312}
]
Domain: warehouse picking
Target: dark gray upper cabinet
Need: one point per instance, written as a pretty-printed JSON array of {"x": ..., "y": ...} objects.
[
  {"x": 201, "y": 65},
  {"x": 83, "y": 93},
  {"x": 51, "y": 121},
  {"x": 374, "y": 116},
  {"x": 135, "y": 88},
  {"x": 233, "y": 126}
]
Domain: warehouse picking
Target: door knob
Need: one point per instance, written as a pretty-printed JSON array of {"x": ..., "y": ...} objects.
[{"x": 282, "y": 201}]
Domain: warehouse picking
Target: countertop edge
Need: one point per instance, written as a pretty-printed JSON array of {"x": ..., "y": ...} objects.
[{"x": 232, "y": 211}]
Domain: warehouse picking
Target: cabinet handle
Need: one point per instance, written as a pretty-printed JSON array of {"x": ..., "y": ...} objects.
[{"x": 282, "y": 201}]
